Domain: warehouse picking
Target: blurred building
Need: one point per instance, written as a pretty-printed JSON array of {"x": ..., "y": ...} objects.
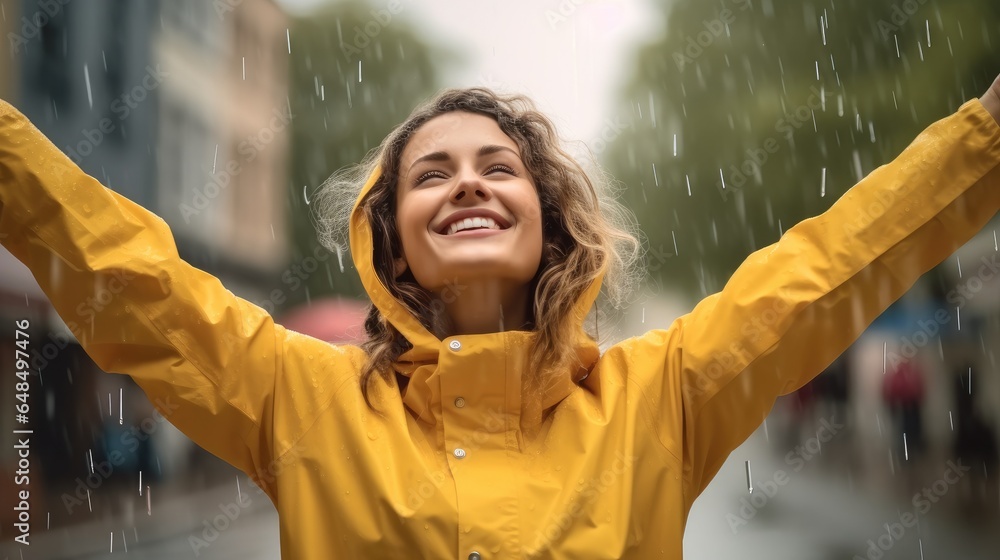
[
  {"x": 223, "y": 135},
  {"x": 181, "y": 107}
]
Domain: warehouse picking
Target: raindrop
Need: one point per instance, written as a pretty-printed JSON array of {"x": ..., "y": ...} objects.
[
  {"x": 288, "y": 37},
  {"x": 305, "y": 194},
  {"x": 215, "y": 159},
  {"x": 86, "y": 78},
  {"x": 244, "y": 68},
  {"x": 958, "y": 260},
  {"x": 822, "y": 188},
  {"x": 749, "y": 481}
]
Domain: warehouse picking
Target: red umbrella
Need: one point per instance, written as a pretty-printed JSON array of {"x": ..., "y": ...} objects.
[{"x": 331, "y": 320}]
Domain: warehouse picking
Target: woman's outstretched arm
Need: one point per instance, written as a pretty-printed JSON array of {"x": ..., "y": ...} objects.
[
  {"x": 208, "y": 360},
  {"x": 791, "y": 308}
]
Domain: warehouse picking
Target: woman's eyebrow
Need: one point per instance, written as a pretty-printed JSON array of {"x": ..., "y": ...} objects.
[{"x": 444, "y": 156}]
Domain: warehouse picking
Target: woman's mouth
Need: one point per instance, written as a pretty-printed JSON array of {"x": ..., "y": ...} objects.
[{"x": 469, "y": 225}]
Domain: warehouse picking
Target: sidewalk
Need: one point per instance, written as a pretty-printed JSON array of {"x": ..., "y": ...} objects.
[
  {"x": 818, "y": 515},
  {"x": 175, "y": 530}
]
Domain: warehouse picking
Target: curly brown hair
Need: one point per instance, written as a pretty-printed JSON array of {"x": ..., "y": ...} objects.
[{"x": 587, "y": 233}]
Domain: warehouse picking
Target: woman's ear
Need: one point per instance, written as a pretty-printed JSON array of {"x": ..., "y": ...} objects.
[{"x": 399, "y": 266}]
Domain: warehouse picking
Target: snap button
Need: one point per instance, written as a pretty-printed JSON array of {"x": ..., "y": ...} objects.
[
  {"x": 475, "y": 556},
  {"x": 459, "y": 402},
  {"x": 455, "y": 345},
  {"x": 459, "y": 453}
]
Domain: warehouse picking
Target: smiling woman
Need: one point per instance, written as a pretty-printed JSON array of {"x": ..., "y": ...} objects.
[{"x": 471, "y": 154}]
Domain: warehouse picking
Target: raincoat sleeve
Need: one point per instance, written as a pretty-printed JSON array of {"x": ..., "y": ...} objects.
[
  {"x": 791, "y": 308},
  {"x": 207, "y": 360}
]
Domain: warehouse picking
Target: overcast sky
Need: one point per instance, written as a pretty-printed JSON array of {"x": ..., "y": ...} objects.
[{"x": 567, "y": 57}]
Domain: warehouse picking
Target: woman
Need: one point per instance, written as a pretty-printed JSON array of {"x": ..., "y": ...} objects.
[{"x": 480, "y": 420}]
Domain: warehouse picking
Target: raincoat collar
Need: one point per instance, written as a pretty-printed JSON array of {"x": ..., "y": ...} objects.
[{"x": 419, "y": 363}]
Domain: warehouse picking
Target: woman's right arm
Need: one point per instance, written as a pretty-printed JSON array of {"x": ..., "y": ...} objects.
[{"x": 209, "y": 361}]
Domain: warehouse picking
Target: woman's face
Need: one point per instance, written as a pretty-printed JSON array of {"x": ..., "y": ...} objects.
[{"x": 466, "y": 208}]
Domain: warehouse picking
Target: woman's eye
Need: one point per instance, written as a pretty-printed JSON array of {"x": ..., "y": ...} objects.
[
  {"x": 502, "y": 167},
  {"x": 428, "y": 175}
]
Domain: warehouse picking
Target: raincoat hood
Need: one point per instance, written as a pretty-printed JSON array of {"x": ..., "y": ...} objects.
[{"x": 422, "y": 393}]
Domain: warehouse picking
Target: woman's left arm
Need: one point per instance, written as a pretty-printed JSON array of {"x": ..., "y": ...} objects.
[{"x": 791, "y": 308}]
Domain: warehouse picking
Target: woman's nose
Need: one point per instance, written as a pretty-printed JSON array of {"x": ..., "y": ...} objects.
[{"x": 470, "y": 187}]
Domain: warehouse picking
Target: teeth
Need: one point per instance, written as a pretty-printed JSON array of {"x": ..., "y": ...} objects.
[{"x": 471, "y": 223}]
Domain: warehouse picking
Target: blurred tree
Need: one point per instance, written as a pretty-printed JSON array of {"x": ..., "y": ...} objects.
[
  {"x": 357, "y": 71},
  {"x": 789, "y": 103}
]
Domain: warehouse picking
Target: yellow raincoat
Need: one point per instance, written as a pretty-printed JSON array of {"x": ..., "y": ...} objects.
[{"x": 446, "y": 473}]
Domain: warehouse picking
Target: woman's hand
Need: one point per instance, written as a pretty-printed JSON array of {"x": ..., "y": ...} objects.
[{"x": 991, "y": 100}]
